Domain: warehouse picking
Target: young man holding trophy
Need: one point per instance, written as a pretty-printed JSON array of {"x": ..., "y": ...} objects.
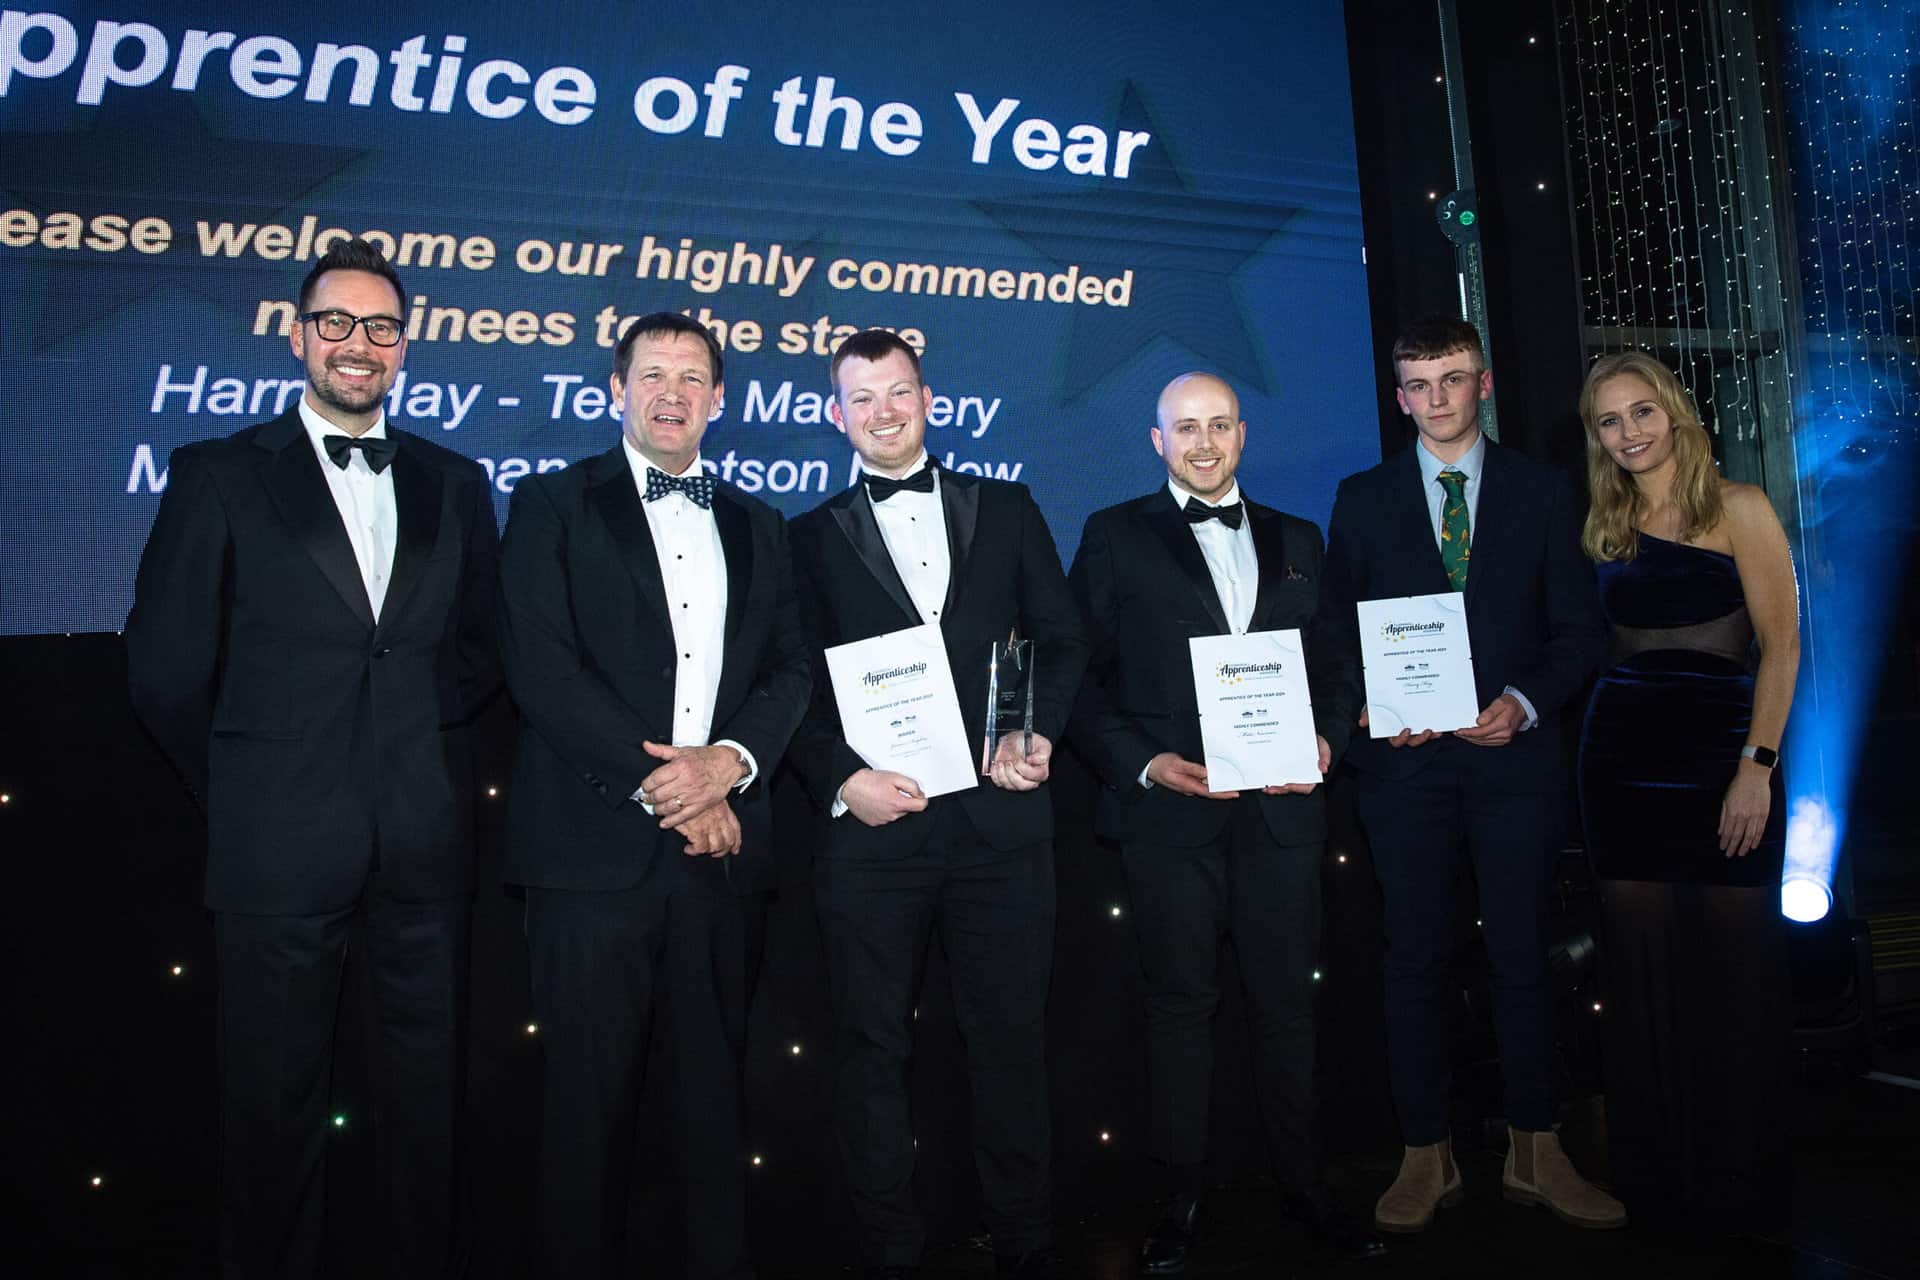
[{"x": 924, "y": 591}]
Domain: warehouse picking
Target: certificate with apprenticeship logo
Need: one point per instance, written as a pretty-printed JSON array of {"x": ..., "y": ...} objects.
[
  {"x": 1419, "y": 664},
  {"x": 898, "y": 708},
  {"x": 1256, "y": 715}
]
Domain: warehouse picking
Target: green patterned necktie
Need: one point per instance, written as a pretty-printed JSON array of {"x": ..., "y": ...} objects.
[{"x": 1456, "y": 533}]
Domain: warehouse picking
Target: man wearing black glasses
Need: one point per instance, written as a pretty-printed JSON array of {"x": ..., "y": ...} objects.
[{"x": 312, "y": 632}]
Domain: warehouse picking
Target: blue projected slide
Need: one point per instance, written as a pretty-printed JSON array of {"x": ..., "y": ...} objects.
[{"x": 1064, "y": 204}]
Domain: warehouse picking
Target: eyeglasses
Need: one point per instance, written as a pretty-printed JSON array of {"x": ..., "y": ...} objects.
[{"x": 334, "y": 326}]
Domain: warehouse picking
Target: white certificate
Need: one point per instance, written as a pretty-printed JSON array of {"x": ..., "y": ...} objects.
[
  {"x": 898, "y": 709},
  {"x": 1256, "y": 715},
  {"x": 1419, "y": 664}
]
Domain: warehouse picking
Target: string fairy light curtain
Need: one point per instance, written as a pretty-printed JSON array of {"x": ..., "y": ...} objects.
[{"x": 1673, "y": 156}]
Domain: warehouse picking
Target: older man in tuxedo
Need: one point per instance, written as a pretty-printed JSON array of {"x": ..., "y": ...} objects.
[
  {"x": 909, "y": 545},
  {"x": 312, "y": 630},
  {"x": 652, "y": 643},
  {"x": 1197, "y": 558}
]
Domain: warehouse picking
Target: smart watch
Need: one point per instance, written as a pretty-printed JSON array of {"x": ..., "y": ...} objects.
[{"x": 1765, "y": 757}]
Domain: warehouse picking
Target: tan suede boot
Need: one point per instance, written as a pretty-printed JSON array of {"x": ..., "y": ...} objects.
[
  {"x": 1428, "y": 1180},
  {"x": 1538, "y": 1172}
]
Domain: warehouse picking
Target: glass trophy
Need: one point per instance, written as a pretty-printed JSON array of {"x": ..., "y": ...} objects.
[{"x": 1009, "y": 697}]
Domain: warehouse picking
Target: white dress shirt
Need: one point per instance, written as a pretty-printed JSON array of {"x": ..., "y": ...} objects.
[
  {"x": 1470, "y": 464},
  {"x": 693, "y": 566},
  {"x": 1231, "y": 560},
  {"x": 365, "y": 501},
  {"x": 914, "y": 527}
]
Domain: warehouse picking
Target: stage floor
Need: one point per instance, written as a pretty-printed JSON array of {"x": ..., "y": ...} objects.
[{"x": 1855, "y": 1216}]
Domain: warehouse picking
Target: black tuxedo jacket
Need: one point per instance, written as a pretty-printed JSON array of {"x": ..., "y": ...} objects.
[
  {"x": 1533, "y": 615},
  {"x": 1005, "y": 575},
  {"x": 1143, "y": 585},
  {"x": 589, "y": 654},
  {"x": 313, "y": 737}
]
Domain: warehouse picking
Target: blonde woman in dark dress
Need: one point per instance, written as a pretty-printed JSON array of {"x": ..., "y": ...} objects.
[{"x": 1682, "y": 802}]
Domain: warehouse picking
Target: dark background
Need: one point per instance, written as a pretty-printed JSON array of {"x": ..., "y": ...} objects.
[{"x": 109, "y": 1070}]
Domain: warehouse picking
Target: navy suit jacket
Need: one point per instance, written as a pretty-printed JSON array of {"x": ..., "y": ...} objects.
[
  {"x": 1533, "y": 615},
  {"x": 1005, "y": 575},
  {"x": 588, "y": 647},
  {"x": 1142, "y": 582},
  {"x": 313, "y": 736}
]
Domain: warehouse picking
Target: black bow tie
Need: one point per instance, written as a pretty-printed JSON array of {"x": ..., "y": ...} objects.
[
  {"x": 378, "y": 450},
  {"x": 880, "y": 488},
  {"x": 696, "y": 486},
  {"x": 1230, "y": 515}
]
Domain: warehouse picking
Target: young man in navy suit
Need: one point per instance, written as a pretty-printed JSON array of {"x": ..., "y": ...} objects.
[
  {"x": 1459, "y": 513},
  {"x": 312, "y": 631},
  {"x": 909, "y": 545},
  {"x": 1197, "y": 558}
]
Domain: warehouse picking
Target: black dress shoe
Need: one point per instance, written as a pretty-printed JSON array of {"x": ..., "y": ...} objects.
[
  {"x": 1317, "y": 1211},
  {"x": 1166, "y": 1248},
  {"x": 1034, "y": 1264}
]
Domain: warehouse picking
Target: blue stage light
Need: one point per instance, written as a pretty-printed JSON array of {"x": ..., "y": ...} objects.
[
  {"x": 1848, "y": 71},
  {"x": 1804, "y": 901}
]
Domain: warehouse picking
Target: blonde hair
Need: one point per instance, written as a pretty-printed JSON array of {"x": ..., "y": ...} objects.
[{"x": 1617, "y": 504}]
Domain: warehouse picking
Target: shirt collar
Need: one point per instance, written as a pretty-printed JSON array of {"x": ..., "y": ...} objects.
[
  {"x": 1180, "y": 495},
  {"x": 1467, "y": 465},
  {"x": 318, "y": 427},
  {"x": 639, "y": 464}
]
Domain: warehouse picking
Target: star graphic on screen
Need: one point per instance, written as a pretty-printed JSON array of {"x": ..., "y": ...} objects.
[
  {"x": 159, "y": 160},
  {"x": 1185, "y": 249}
]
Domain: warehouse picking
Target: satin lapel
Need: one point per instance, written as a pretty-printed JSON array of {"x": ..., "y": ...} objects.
[
  {"x": 1488, "y": 515},
  {"x": 618, "y": 500},
  {"x": 736, "y": 540},
  {"x": 306, "y": 504},
  {"x": 1167, "y": 521},
  {"x": 416, "y": 497},
  {"x": 960, "y": 500},
  {"x": 1270, "y": 550},
  {"x": 855, "y": 517}
]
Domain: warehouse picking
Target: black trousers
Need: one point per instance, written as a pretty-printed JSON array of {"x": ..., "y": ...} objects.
[
  {"x": 279, "y": 1001},
  {"x": 1416, "y": 826},
  {"x": 601, "y": 962},
  {"x": 994, "y": 912},
  {"x": 1265, "y": 897}
]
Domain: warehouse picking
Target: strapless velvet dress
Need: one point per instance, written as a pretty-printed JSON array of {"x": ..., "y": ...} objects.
[
  {"x": 1693, "y": 949},
  {"x": 1664, "y": 730}
]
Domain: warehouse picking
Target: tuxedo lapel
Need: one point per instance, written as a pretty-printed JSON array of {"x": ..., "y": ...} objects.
[
  {"x": 1270, "y": 551},
  {"x": 416, "y": 496},
  {"x": 618, "y": 500},
  {"x": 960, "y": 500},
  {"x": 854, "y": 515},
  {"x": 1164, "y": 517},
  {"x": 299, "y": 489},
  {"x": 736, "y": 540}
]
